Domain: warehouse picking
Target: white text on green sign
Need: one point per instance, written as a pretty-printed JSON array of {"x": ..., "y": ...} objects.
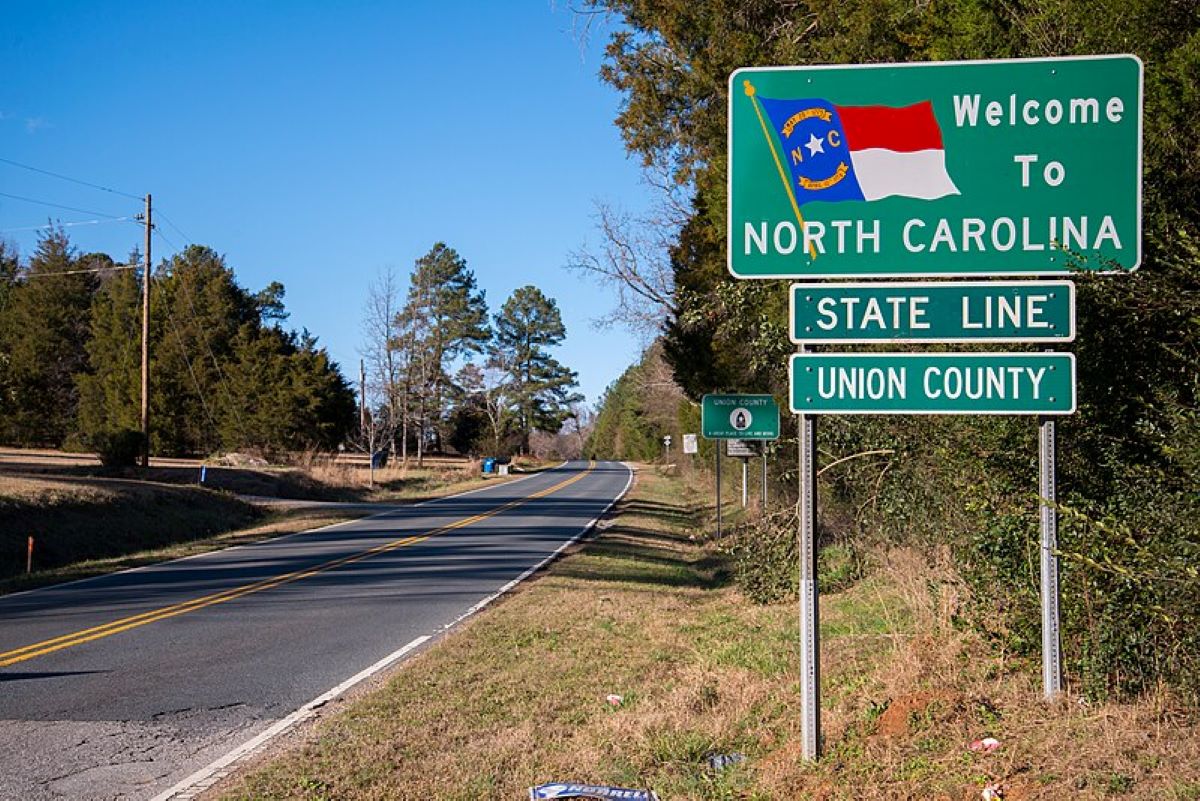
[
  {"x": 946, "y": 311},
  {"x": 739, "y": 417},
  {"x": 933, "y": 383},
  {"x": 1017, "y": 167}
]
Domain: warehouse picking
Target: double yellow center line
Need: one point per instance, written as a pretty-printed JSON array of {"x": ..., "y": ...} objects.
[{"x": 134, "y": 621}]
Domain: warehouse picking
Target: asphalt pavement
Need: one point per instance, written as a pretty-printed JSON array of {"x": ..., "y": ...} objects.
[{"x": 125, "y": 685}]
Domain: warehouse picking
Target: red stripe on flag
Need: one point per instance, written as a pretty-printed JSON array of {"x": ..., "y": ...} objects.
[{"x": 905, "y": 129}]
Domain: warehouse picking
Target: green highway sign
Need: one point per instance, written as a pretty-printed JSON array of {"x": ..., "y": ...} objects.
[
  {"x": 945, "y": 311},
  {"x": 739, "y": 417},
  {"x": 933, "y": 383},
  {"x": 941, "y": 169}
]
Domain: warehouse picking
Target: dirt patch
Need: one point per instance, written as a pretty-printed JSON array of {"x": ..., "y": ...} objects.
[{"x": 901, "y": 711}]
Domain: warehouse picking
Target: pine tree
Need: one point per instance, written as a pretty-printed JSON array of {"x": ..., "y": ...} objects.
[
  {"x": 110, "y": 392},
  {"x": 43, "y": 333},
  {"x": 444, "y": 318},
  {"x": 540, "y": 388}
]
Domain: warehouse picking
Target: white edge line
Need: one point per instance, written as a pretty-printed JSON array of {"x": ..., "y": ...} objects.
[
  {"x": 567, "y": 544},
  {"x": 390, "y": 510},
  {"x": 209, "y": 775},
  {"x": 214, "y": 772}
]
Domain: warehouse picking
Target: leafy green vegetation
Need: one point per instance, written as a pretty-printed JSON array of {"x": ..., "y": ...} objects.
[
  {"x": 226, "y": 375},
  {"x": 1129, "y": 459}
]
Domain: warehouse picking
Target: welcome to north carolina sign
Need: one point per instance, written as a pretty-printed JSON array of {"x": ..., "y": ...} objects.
[{"x": 1016, "y": 167}]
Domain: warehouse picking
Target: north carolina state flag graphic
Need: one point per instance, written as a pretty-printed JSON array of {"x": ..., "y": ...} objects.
[{"x": 860, "y": 152}]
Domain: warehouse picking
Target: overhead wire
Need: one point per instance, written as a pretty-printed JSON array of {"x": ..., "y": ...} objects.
[
  {"x": 167, "y": 220},
  {"x": 81, "y": 272},
  {"x": 69, "y": 178},
  {"x": 68, "y": 224},
  {"x": 59, "y": 206}
]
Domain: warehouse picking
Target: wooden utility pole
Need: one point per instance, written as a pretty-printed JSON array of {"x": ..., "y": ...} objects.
[
  {"x": 362, "y": 396},
  {"x": 146, "y": 342}
]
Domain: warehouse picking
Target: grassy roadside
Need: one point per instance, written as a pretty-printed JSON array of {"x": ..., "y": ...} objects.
[{"x": 518, "y": 696}]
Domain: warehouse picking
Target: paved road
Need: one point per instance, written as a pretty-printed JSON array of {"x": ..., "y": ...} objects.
[{"x": 121, "y": 686}]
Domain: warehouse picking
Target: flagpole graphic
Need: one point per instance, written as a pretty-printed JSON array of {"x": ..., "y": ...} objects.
[{"x": 787, "y": 184}]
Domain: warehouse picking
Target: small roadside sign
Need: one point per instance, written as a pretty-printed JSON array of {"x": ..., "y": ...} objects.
[
  {"x": 924, "y": 311},
  {"x": 740, "y": 447},
  {"x": 933, "y": 383},
  {"x": 739, "y": 417},
  {"x": 690, "y": 443}
]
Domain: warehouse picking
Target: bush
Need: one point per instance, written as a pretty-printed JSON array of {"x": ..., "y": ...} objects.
[
  {"x": 766, "y": 561},
  {"x": 118, "y": 448}
]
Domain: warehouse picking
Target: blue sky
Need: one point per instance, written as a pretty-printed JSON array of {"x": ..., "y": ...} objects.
[{"x": 316, "y": 143}]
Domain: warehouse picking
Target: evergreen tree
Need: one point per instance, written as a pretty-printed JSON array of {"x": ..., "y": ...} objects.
[
  {"x": 110, "y": 392},
  {"x": 539, "y": 387},
  {"x": 443, "y": 319},
  {"x": 10, "y": 266},
  {"x": 43, "y": 334}
]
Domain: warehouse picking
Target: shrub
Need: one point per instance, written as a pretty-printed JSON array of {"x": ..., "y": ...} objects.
[{"x": 119, "y": 448}]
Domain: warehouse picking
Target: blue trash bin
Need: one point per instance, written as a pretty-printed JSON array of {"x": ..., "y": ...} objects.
[{"x": 489, "y": 465}]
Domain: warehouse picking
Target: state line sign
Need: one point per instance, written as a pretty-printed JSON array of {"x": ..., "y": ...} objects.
[
  {"x": 933, "y": 311},
  {"x": 933, "y": 383},
  {"x": 941, "y": 169}
]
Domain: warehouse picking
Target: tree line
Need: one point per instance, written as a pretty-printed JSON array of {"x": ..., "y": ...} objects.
[
  {"x": 444, "y": 376},
  {"x": 1129, "y": 459},
  {"x": 225, "y": 374}
]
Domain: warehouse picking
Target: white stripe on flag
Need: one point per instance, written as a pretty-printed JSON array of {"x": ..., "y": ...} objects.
[{"x": 921, "y": 174}]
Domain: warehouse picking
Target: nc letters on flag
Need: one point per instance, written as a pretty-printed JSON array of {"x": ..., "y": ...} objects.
[{"x": 839, "y": 153}]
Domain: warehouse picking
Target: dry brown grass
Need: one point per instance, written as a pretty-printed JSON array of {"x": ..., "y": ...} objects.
[
  {"x": 88, "y": 527},
  {"x": 517, "y": 696}
]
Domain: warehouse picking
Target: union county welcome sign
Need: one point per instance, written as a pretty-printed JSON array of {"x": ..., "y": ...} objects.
[{"x": 1015, "y": 167}]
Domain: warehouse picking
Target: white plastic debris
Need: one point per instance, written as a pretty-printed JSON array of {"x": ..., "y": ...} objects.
[
  {"x": 985, "y": 746},
  {"x": 613, "y": 699}
]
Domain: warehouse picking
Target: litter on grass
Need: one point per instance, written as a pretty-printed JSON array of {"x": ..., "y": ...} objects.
[
  {"x": 598, "y": 791},
  {"x": 723, "y": 761},
  {"x": 984, "y": 746},
  {"x": 613, "y": 699}
]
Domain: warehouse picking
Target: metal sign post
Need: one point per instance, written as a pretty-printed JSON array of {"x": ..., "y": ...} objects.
[
  {"x": 718, "y": 450},
  {"x": 745, "y": 471},
  {"x": 1051, "y": 641},
  {"x": 810, "y": 637},
  {"x": 764, "y": 482}
]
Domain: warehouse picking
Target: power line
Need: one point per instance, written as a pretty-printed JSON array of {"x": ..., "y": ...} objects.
[
  {"x": 58, "y": 206},
  {"x": 70, "y": 224},
  {"x": 81, "y": 272},
  {"x": 69, "y": 178},
  {"x": 167, "y": 220},
  {"x": 164, "y": 238}
]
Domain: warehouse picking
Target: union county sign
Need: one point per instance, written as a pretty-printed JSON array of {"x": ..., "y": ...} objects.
[
  {"x": 739, "y": 417},
  {"x": 933, "y": 383},
  {"x": 1019, "y": 167}
]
